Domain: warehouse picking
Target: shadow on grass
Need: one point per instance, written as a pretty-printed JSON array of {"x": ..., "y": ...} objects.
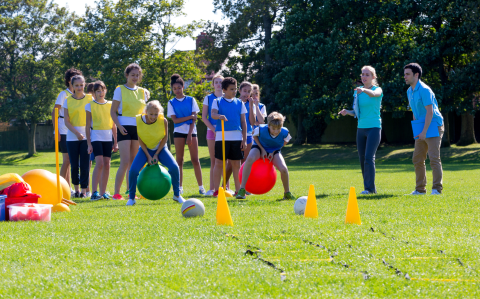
[
  {"x": 377, "y": 196},
  {"x": 317, "y": 196}
]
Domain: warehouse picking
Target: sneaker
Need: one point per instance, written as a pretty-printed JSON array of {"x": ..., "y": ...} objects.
[
  {"x": 209, "y": 193},
  {"x": 131, "y": 202},
  {"x": 202, "y": 191},
  {"x": 72, "y": 193},
  {"x": 241, "y": 194},
  {"x": 96, "y": 196},
  {"x": 88, "y": 194},
  {"x": 365, "y": 192},
  {"x": 76, "y": 194},
  {"x": 435, "y": 192},
  {"x": 82, "y": 195},
  {"x": 127, "y": 192},
  {"x": 178, "y": 199},
  {"x": 181, "y": 190},
  {"x": 106, "y": 195},
  {"x": 118, "y": 197},
  {"x": 288, "y": 195},
  {"x": 248, "y": 193},
  {"x": 215, "y": 194},
  {"x": 416, "y": 193},
  {"x": 230, "y": 191}
]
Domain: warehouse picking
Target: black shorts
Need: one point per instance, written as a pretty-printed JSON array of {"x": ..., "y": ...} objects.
[
  {"x": 257, "y": 147},
  {"x": 62, "y": 144},
  {"x": 182, "y": 135},
  {"x": 131, "y": 134},
  {"x": 233, "y": 150},
  {"x": 102, "y": 148}
]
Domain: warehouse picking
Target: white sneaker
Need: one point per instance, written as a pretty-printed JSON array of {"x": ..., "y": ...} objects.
[
  {"x": 202, "y": 191},
  {"x": 178, "y": 199},
  {"x": 230, "y": 191},
  {"x": 72, "y": 193},
  {"x": 209, "y": 193},
  {"x": 417, "y": 193},
  {"x": 88, "y": 194},
  {"x": 131, "y": 202},
  {"x": 435, "y": 192},
  {"x": 365, "y": 192},
  {"x": 181, "y": 190}
]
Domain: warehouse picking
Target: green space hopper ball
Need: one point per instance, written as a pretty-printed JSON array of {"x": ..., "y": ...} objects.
[{"x": 154, "y": 182}]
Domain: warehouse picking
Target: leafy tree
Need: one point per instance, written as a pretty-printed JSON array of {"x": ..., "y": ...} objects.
[{"x": 31, "y": 37}]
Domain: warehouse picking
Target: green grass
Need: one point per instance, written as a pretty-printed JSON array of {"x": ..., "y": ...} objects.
[{"x": 105, "y": 249}]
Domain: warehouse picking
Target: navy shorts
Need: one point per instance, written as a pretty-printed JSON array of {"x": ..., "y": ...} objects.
[
  {"x": 232, "y": 150},
  {"x": 102, "y": 148},
  {"x": 131, "y": 134},
  {"x": 182, "y": 135},
  {"x": 257, "y": 147},
  {"x": 62, "y": 144},
  {"x": 249, "y": 140}
]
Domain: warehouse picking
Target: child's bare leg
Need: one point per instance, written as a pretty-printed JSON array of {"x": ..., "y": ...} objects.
[
  {"x": 217, "y": 174},
  {"x": 279, "y": 163},
  {"x": 253, "y": 156},
  {"x": 236, "y": 169}
]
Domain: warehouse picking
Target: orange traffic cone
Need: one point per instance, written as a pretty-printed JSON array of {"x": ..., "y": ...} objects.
[
  {"x": 353, "y": 214},
  {"x": 223, "y": 212},
  {"x": 311, "y": 210}
]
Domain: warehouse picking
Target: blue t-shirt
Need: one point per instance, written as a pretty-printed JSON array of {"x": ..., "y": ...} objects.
[
  {"x": 419, "y": 98},
  {"x": 182, "y": 109},
  {"x": 233, "y": 112},
  {"x": 211, "y": 97},
  {"x": 269, "y": 143},
  {"x": 369, "y": 110}
]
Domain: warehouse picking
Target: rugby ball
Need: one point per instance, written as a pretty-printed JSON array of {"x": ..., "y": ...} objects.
[
  {"x": 192, "y": 207},
  {"x": 300, "y": 204}
]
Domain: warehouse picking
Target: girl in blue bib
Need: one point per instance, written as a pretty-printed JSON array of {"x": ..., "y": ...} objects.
[
  {"x": 183, "y": 111},
  {"x": 268, "y": 142}
]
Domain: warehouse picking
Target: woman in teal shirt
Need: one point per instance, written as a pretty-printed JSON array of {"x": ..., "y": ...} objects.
[{"x": 366, "y": 107}]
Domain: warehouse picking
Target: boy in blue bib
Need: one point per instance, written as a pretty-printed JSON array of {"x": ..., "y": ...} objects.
[
  {"x": 232, "y": 111},
  {"x": 268, "y": 141}
]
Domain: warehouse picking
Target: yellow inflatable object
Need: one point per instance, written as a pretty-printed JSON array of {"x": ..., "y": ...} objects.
[
  {"x": 43, "y": 183},
  {"x": 8, "y": 179},
  {"x": 65, "y": 188}
]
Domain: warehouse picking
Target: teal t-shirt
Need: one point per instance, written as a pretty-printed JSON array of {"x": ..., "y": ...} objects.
[{"x": 369, "y": 110}]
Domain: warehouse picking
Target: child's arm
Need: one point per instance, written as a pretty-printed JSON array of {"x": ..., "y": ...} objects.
[
  {"x": 263, "y": 152},
  {"x": 114, "y": 134},
  {"x": 87, "y": 131},
  {"x": 163, "y": 141},
  {"x": 145, "y": 151},
  {"x": 251, "y": 115},
  {"x": 70, "y": 126},
  {"x": 347, "y": 112},
  {"x": 114, "y": 116},
  {"x": 244, "y": 132},
  {"x": 190, "y": 129},
  {"x": 178, "y": 120},
  {"x": 205, "y": 118},
  {"x": 215, "y": 115},
  {"x": 259, "y": 120}
]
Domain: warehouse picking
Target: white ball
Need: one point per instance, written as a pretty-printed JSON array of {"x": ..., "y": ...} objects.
[
  {"x": 192, "y": 208},
  {"x": 300, "y": 204}
]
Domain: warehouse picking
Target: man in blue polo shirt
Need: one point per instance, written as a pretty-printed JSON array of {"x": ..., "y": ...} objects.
[{"x": 425, "y": 107}]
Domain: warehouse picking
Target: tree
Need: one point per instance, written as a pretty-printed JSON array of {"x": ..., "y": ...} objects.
[
  {"x": 245, "y": 43},
  {"x": 31, "y": 38}
]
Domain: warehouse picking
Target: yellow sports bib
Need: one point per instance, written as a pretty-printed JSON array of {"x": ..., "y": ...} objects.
[
  {"x": 133, "y": 101},
  {"x": 101, "y": 115},
  {"x": 76, "y": 110},
  {"x": 151, "y": 134}
]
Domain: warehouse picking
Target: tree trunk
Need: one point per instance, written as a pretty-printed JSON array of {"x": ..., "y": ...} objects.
[
  {"x": 267, "y": 26},
  {"x": 467, "y": 135},
  {"x": 31, "y": 129},
  {"x": 446, "y": 136},
  {"x": 301, "y": 133}
]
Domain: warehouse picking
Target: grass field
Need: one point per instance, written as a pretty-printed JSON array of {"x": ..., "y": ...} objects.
[{"x": 406, "y": 246}]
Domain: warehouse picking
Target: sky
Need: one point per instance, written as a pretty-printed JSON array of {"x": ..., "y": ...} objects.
[{"x": 196, "y": 10}]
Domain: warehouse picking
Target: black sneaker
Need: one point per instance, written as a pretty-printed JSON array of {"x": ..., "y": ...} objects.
[
  {"x": 76, "y": 195},
  {"x": 82, "y": 195}
]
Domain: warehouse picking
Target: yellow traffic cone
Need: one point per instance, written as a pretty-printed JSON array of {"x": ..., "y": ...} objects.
[
  {"x": 223, "y": 212},
  {"x": 311, "y": 210},
  {"x": 353, "y": 214}
]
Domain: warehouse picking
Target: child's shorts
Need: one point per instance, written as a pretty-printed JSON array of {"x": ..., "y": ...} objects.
[
  {"x": 131, "y": 134},
  {"x": 210, "y": 135},
  {"x": 233, "y": 150},
  {"x": 62, "y": 144},
  {"x": 102, "y": 148},
  {"x": 249, "y": 140},
  {"x": 182, "y": 135},
  {"x": 257, "y": 147}
]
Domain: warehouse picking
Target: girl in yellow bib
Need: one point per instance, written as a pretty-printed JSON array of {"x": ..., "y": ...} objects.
[
  {"x": 77, "y": 147},
  {"x": 152, "y": 128},
  {"x": 128, "y": 101},
  {"x": 102, "y": 139}
]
